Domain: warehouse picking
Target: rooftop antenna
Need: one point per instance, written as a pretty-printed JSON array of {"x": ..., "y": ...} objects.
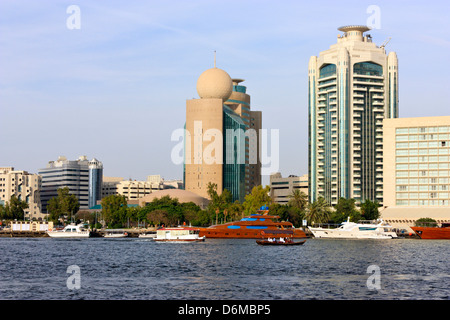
[
  {"x": 385, "y": 43},
  {"x": 214, "y": 58}
]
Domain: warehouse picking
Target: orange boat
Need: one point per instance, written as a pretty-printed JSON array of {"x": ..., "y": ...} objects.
[
  {"x": 442, "y": 232},
  {"x": 253, "y": 227}
]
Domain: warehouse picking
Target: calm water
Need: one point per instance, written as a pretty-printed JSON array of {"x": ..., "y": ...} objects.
[{"x": 135, "y": 269}]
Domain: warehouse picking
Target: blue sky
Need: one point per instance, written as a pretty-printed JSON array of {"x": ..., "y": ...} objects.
[{"x": 116, "y": 88}]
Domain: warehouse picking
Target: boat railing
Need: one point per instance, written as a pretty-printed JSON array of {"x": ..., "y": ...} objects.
[
  {"x": 327, "y": 225},
  {"x": 114, "y": 231},
  {"x": 369, "y": 221},
  {"x": 429, "y": 224}
]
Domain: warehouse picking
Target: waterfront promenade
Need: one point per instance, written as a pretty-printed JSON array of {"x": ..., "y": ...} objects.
[{"x": 6, "y": 233}]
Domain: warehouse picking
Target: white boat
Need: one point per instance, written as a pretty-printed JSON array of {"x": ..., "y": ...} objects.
[
  {"x": 70, "y": 231},
  {"x": 115, "y": 234},
  {"x": 148, "y": 235},
  {"x": 361, "y": 230},
  {"x": 179, "y": 234}
]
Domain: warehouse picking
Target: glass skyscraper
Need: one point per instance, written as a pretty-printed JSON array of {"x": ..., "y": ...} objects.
[
  {"x": 95, "y": 182},
  {"x": 352, "y": 87},
  {"x": 239, "y": 102},
  {"x": 234, "y": 152}
]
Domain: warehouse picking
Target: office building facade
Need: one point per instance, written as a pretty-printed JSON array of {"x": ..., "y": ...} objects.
[
  {"x": 131, "y": 189},
  {"x": 352, "y": 87},
  {"x": 281, "y": 189},
  {"x": 416, "y": 158},
  {"x": 72, "y": 174},
  {"x": 416, "y": 162},
  {"x": 26, "y": 187}
]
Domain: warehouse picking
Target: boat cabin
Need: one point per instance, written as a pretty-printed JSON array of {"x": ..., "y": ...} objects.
[
  {"x": 176, "y": 232},
  {"x": 73, "y": 228}
]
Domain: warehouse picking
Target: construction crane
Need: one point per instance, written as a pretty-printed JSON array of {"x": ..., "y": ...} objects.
[{"x": 385, "y": 43}]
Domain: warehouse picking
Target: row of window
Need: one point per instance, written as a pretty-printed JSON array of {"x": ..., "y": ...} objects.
[
  {"x": 423, "y": 137},
  {"x": 413, "y": 181},
  {"x": 62, "y": 170},
  {"x": 420, "y": 166},
  {"x": 422, "y": 173},
  {"x": 27, "y": 198},
  {"x": 423, "y": 195},
  {"x": 422, "y": 130},
  {"x": 420, "y": 152},
  {"x": 432, "y": 187},
  {"x": 427, "y": 144},
  {"x": 68, "y": 175},
  {"x": 13, "y": 191},
  {"x": 422, "y": 202},
  {"x": 422, "y": 159}
]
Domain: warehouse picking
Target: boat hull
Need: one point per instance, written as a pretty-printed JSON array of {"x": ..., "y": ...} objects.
[
  {"x": 147, "y": 236},
  {"x": 432, "y": 232},
  {"x": 180, "y": 240},
  {"x": 278, "y": 243},
  {"x": 225, "y": 233},
  {"x": 341, "y": 234},
  {"x": 254, "y": 226},
  {"x": 115, "y": 236},
  {"x": 68, "y": 235}
]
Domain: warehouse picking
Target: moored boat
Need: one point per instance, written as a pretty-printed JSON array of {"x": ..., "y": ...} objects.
[
  {"x": 435, "y": 232},
  {"x": 279, "y": 242},
  {"x": 70, "y": 231},
  {"x": 178, "y": 234},
  {"x": 115, "y": 234},
  {"x": 360, "y": 230},
  {"x": 250, "y": 227}
]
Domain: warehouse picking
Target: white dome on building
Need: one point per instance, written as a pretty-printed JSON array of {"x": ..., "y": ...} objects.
[{"x": 214, "y": 83}]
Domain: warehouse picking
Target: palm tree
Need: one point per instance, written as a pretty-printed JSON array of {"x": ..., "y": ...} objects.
[
  {"x": 298, "y": 199},
  {"x": 319, "y": 211},
  {"x": 236, "y": 210}
]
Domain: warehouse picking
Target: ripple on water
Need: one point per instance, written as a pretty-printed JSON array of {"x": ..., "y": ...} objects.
[{"x": 222, "y": 269}]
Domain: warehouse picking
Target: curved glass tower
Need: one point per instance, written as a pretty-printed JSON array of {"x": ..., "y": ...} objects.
[
  {"x": 95, "y": 181},
  {"x": 352, "y": 87}
]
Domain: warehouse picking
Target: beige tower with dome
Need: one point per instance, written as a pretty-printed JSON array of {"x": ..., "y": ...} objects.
[
  {"x": 214, "y": 83},
  {"x": 208, "y": 145},
  {"x": 213, "y": 86}
]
